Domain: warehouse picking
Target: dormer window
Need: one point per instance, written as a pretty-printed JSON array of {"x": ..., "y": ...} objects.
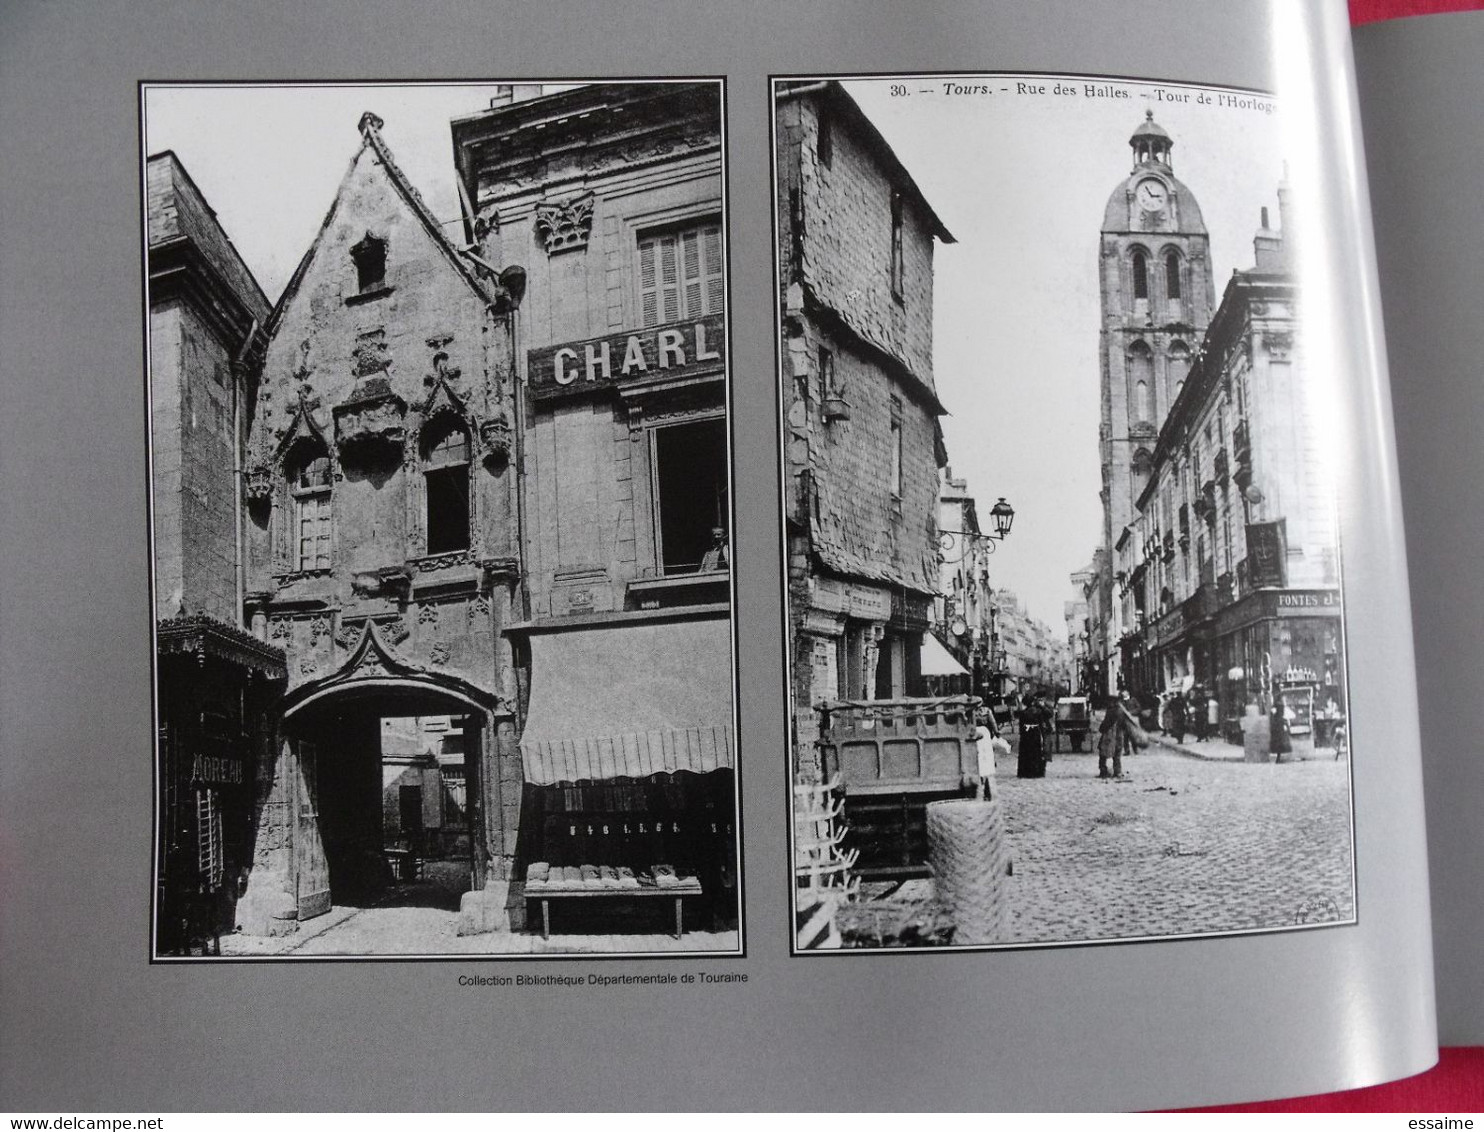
[
  {"x": 370, "y": 259},
  {"x": 308, "y": 476}
]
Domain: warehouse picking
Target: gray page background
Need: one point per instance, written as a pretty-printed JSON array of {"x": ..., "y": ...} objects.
[
  {"x": 1422, "y": 84},
  {"x": 86, "y": 1023}
]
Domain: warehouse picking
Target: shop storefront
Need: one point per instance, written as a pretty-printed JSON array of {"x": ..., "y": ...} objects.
[{"x": 217, "y": 690}]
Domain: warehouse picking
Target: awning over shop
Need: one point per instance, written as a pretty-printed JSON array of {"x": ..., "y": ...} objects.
[
  {"x": 938, "y": 661},
  {"x": 629, "y": 699}
]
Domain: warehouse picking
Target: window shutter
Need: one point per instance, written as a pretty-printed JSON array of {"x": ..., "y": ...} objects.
[
  {"x": 669, "y": 280},
  {"x": 715, "y": 277},
  {"x": 691, "y": 265},
  {"x": 648, "y": 289}
]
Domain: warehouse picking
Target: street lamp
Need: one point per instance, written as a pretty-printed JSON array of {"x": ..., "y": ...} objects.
[{"x": 1003, "y": 515}]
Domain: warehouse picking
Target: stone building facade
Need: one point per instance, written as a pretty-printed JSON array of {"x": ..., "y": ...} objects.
[
  {"x": 216, "y": 684},
  {"x": 1157, "y": 293},
  {"x": 862, "y": 443},
  {"x": 1233, "y": 563},
  {"x": 611, "y": 196},
  {"x": 380, "y": 552}
]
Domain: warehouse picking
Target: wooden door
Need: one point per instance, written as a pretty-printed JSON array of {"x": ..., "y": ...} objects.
[{"x": 311, "y": 868}]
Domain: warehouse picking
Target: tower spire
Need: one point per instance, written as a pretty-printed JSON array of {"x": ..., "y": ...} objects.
[{"x": 1150, "y": 143}]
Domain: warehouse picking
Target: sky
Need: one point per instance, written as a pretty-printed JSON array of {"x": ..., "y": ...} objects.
[
  {"x": 1021, "y": 179},
  {"x": 269, "y": 159}
]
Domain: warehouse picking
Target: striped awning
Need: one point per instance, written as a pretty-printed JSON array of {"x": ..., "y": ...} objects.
[
  {"x": 938, "y": 661},
  {"x": 629, "y": 700}
]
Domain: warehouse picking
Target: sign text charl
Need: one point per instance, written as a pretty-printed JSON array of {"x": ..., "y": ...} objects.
[{"x": 678, "y": 349}]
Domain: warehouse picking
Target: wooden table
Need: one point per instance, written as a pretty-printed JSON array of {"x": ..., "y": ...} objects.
[{"x": 548, "y": 890}]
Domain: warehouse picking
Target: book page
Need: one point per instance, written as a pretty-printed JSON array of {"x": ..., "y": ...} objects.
[
  {"x": 453, "y": 511},
  {"x": 1419, "y": 87}
]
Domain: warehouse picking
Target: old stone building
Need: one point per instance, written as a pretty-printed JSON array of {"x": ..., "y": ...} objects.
[
  {"x": 611, "y": 197},
  {"x": 1233, "y": 563},
  {"x": 216, "y": 684},
  {"x": 487, "y": 579},
  {"x": 862, "y": 443},
  {"x": 1157, "y": 292},
  {"x": 380, "y": 552}
]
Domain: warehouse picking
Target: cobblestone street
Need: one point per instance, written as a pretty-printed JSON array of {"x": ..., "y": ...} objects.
[{"x": 1182, "y": 845}]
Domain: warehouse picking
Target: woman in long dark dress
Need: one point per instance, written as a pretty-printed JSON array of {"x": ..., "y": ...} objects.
[{"x": 1032, "y": 760}]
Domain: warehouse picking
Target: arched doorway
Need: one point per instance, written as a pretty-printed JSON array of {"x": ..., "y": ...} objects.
[
  {"x": 388, "y": 789},
  {"x": 360, "y": 801}
]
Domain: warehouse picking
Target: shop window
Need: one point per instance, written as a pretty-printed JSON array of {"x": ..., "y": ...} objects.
[
  {"x": 690, "y": 493},
  {"x": 1141, "y": 276},
  {"x": 446, "y": 488},
  {"x": 308, "y": 475},
  {"x": 898, "y": 264},
  {"x": 681, "y": 274},
  {"x": 370, "y": 259}
]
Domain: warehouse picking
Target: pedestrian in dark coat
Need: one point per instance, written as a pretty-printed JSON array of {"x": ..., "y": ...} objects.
[
  {"x": 1032, "y": 758},
  {"x": 1198, "y": 715},
  {"x": 1177, "y": 717},
  {"x": 1115, "y": 737}
]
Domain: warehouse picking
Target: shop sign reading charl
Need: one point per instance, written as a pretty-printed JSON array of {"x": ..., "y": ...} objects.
[{"x": 678, "y": 349}]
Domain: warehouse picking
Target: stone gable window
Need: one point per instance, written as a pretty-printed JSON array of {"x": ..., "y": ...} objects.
[
  {"x": 369, "y": 257},
  {"x": 446, "y": 488},
  {"x": 681, "y": 274}
]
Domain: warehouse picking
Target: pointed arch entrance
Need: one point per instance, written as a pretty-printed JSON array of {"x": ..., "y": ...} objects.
[{"x": 351, "y": 822}]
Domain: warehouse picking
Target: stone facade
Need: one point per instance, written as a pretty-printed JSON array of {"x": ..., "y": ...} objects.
[
  {"x": 1232, "y": 566},
  {"x": 862, "y": 444},
  {"x": 216, "y": 685},
  {"x": 381, "y": 550},
  {"x": 610, "y": 196}
]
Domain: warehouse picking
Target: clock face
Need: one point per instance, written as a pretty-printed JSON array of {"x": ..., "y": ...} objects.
[{"x": 1151, "y": 196}]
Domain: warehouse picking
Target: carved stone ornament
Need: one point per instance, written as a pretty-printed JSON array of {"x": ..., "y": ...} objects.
[
  {"x": 1278, "y": 342},
  {"x": 486, "y": 224},
  {"x": 257, "y": 485},
  {"x": 370, "y": 425},
  {"x": 439, "y": 655},
  {"x": 494, "y": 437},
  {"x": 566, "y": 225}
]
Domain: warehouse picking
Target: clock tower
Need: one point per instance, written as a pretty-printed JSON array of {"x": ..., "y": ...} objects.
[{"x": 1157, "y": 296}]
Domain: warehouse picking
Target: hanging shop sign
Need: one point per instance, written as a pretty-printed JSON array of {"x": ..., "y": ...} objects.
[
  {"x": 1267, "y": 554},
  {"x": 678, "y": 349},
  {"x": 862, "y": 602}
]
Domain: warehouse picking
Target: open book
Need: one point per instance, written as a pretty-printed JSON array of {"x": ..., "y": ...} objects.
[{"x": 853, "y": 558}]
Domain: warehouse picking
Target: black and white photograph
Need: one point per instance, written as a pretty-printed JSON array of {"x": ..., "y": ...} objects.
[
  {"x": 1061, "y": 542},
  {"x": 440, "y": 519}
]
